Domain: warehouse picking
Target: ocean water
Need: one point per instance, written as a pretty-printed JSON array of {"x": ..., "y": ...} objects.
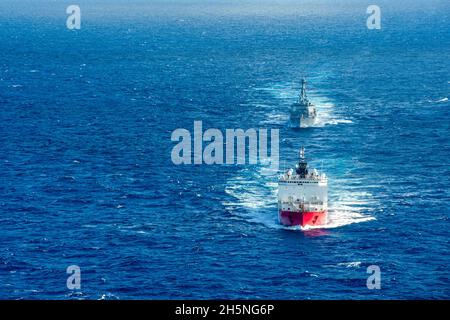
[{"x": 86, "y": 176}]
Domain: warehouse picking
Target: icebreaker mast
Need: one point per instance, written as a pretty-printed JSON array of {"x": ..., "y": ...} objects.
[{"x": 302, "y": 166}]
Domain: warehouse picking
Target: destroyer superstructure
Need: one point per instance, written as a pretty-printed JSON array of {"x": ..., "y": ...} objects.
[{"x": 303, "y": 113}]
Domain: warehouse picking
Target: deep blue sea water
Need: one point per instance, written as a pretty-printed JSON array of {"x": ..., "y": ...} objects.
[{"x": 86, "y": 176}]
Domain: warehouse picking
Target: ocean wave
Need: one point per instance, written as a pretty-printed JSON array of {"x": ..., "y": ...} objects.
[
  {"x": 108, "y": 296},
  {"x": 354, "y": 264},
  {"x": 445, "y": 99}
]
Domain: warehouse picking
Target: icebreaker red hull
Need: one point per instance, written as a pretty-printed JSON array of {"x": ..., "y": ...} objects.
[{"x": 293, "y": 218}]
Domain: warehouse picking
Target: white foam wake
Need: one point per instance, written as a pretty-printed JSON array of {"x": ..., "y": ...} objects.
[{"x": 254, "y": 197}]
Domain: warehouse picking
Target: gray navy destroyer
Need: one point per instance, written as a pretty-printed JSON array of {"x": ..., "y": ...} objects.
[{"x": 303, "y": 113}]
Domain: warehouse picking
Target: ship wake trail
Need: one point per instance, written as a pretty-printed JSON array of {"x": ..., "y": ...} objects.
[{"x": 253, "y": 195}]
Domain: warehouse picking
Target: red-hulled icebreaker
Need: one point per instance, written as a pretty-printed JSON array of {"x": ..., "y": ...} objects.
[{"x": 303, "y": 196}]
